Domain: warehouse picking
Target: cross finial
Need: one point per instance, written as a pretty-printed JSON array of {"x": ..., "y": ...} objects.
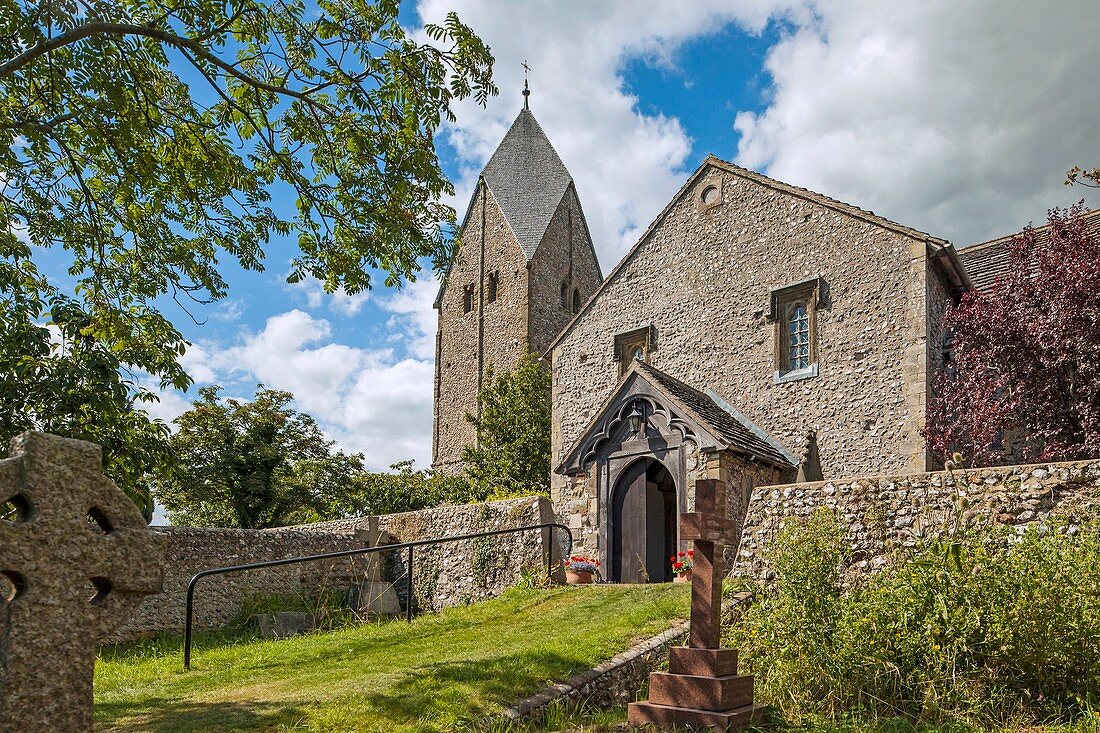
[{"x": 526, "y": 89}]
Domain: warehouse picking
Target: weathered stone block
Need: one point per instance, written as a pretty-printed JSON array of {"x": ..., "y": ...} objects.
[
  {"x": 648, "y": 713},
  {"x": 711, "y": 662},
  {"x": 700, "y": 691}
]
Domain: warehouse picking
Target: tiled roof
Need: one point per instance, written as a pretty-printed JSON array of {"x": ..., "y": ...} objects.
[
  {"x": 986, "y": 261},
  {"x": 528, "y": 180},
  {"x": 739, "y": 436}
]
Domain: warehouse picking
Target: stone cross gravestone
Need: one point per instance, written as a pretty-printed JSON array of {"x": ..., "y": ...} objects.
[
  {"x": 376, "y": 598},
  {"x": 702, "y": 687},
  {"x": 75, "y": 560}
]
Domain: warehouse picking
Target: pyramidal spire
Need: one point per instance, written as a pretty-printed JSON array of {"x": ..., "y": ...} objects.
[{"x": 527, "y": 179}]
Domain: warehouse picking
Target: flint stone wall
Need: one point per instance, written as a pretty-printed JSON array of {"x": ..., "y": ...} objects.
[
  {"x": 702, "y": 278},
  {"x": 220, "y": 598},
  {"x": 447, "y": 575},
  {"x": 462, "y": 572},
  {"x": 883, "y": 514}
]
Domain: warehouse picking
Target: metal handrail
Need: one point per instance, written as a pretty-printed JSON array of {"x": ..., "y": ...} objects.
[{"x": 363, "y": 551}]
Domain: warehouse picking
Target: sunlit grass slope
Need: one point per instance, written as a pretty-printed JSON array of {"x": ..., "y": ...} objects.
[{"x": 431, "y": 675}]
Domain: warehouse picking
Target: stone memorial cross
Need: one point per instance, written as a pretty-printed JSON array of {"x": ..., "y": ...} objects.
[
  {"x": 76, "y": 558},
  {"x": 709, "y": 529},
  {"x": 702, "y": 687}
]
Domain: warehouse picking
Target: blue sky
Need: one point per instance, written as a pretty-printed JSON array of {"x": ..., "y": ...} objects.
[{"x": 958, "y": 118}]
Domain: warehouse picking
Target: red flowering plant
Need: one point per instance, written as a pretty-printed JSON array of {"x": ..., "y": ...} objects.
[
  {"x": 1022, "y": 379},
  {"x": 682, "y": 562},
  {"x": 581, "y": 564}
]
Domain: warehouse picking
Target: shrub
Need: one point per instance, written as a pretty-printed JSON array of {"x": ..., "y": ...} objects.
[
  {"x": 511, "y": 456},
  {"x": 985, "y": 629}
]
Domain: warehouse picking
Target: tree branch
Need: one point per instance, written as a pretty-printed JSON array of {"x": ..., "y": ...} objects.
[{"x": 89, "y": 30}]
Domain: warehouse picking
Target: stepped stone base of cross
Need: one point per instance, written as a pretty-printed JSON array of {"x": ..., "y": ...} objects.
[{"x": 702, "y": 688}]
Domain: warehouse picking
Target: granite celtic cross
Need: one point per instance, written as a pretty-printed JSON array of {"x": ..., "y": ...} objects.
[{"x": 75, "y": 560}]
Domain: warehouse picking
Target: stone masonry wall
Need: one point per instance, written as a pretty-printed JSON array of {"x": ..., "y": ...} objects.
[
  {"x": 702, "y": 277},
  {"x": 470, "y": 570},
  {"x": 576, "y": 501},
  {"x": 487, "y": 245},
  {"x": 564, "y": 255},
  {"x": 526, "y": 315},
  {"x": 447, "y": 575},
  {"x": 219, "y": 599},
  {"x": 889, "y": 512}
]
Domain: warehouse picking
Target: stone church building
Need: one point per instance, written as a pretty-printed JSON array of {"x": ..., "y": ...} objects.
[{"x": 757, "y": 332}]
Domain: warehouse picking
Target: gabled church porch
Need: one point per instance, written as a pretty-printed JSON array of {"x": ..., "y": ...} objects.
[{"x": 633, "y": 472}]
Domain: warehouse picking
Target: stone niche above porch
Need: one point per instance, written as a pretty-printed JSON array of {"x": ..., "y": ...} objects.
[{"x": 633, "y": 471}]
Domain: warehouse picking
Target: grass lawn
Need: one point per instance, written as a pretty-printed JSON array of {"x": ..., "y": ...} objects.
[{"x": 435, "y": 674}]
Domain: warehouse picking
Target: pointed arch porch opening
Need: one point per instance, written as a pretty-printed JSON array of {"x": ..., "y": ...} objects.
[{"x": 643, "y": 524}]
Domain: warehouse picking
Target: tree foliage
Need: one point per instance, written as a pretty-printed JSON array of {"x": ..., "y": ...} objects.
[
  {"x": 511, "y": 455},
  {"x": 260, "y": 463},
  {"x": 1026, "y": 355},
  {"x": 141, "y": 142},
  {"x": 252, "y": 465},
  {"x": 62, "y": 381},
  {"x": 987, "y": 630},
  {"x": 403, "y": 489},
  {"x": 1085, "y": 176}
]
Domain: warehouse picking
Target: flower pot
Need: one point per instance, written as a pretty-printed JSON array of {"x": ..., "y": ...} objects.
[
  {"x": 577, "y": 578},
  {"x": 684, "y": 577}
]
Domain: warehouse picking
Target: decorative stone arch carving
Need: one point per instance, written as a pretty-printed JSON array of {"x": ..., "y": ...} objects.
[{"x": 668, "y": 434}]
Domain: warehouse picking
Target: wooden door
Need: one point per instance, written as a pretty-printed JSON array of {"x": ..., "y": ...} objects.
[
  {"x": 629, "y": 526},
  {"x": 660, "y": 525}
]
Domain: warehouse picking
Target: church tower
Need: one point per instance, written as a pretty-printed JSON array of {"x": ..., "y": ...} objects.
[{"x": 524, "y": 266}]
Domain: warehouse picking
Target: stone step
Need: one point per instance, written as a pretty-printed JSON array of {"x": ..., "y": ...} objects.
[
  {"x": 706, "y": 662},
  {"x": 648, "y": 713},
  {"x": 700, "y": 692}
]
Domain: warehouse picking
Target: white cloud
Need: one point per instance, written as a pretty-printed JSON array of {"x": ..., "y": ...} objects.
[
  {"x": 196, "y": 362},
  {"x": 228, "y": 311},
  {"x": 414, "y": 318},
  {"x": 313, "y": 292},
  {"x": 172, "y": 405},
  {"x": 959, "y": 118},
  {"x": 368, "y": 400}
]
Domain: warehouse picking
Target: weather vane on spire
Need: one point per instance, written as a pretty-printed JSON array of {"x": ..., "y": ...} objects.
[{"x": 526, "y": 89}]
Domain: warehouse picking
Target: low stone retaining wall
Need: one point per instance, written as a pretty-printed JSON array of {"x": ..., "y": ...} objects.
[
  {"x": 219, "y": 599},
  {"x": 445, "y": 575},
  {"x": 617, "y": 681},
  {"x": 884, "y": 513},
  {"x": 613, "y": 683}
]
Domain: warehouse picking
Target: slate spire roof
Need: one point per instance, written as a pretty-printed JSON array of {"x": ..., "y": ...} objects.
[
  {"x": 528, "y": 180},
  {"x": 739, "y": 432}
]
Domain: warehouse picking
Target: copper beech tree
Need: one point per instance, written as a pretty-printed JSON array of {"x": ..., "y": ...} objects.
[{"x": 1023, "y": 379}]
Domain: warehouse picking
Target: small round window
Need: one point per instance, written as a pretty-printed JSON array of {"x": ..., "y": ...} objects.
[{"x": 709, "y": 195}]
